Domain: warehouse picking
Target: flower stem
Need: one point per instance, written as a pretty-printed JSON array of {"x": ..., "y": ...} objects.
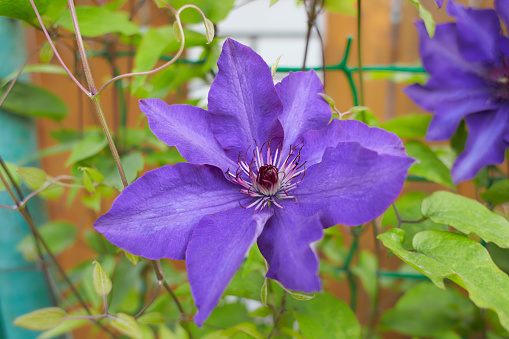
[
  {"x": 375, "y": 312},
  {"x": 55, "y": 50},
  {"x": 167, "y": 287},
  {"x": 359, "y": 54},
  {"x": 106, "y": 131},
  {"x": 159, "y": 284}
]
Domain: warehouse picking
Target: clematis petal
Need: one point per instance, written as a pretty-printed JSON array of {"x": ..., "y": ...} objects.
[
  {"x": 187, "y": 128},
  {"x": 338, "y": 131},
  {"x": 304, "y": 109},
  {"x": 439, "y": 3},
  {"x": 217, "y": 248},
  {"x": 478, "y": 30},
  {"x": 449, "y": 105},
  {"x": 243, "y": 102},
  {"x": 155, "y": 215},
  {"x": 502, "y": 8},
  {"x": 485, "y": 144},
  {"x": 351, "y": 185},
  {"x": 285, "y": 243}
]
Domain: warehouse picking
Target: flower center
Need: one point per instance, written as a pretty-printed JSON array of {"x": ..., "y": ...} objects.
[
  {"x": 269, "y": 177},
  {"x": 497, "y": 78}
]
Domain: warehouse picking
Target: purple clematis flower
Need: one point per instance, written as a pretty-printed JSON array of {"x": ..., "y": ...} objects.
[
  {"x": 468, "y": 63},
  {"x": 264, "y": 165}
]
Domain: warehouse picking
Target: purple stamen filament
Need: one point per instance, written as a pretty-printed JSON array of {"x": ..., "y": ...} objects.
[{"x": 269, "y": 178}]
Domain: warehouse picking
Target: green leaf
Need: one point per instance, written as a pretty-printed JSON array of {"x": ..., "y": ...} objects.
[
  {"x": 428, "y": 311},
  {"x": 132, "y": 258},
  {"x": 364, "y": 114},
  {"x": 246, "y": 328},
  {"x": 409, "y": 208},
  {"x": 125, "y": 272},
  {"x": 127, "y": 325},
  {"x": 260, "y": 312},
  {"x": 94, "y": 174},
  {"x": 408, "y": 126},
  {"x": 441, "y": 255},
  {"x": 151, "y": 47},
  {"x": 42, "y": 319},
  {"x": 132, "y": 164},
  {"x": 329, "y": 100},
  {"x": 428, "y": 165},
  {"x": 90, "y": 145},
  {"x": 366, "y": 271},
  {"x": 59, "y": 235},
  {"x": 64, "y": 327},
  {"x": 87, "y": 182},
  {"x": 214, "y": 10},
  {"x": 209, "y": 29},
  {"x": 273, "y": 2},
  {"x": 151, "y": 318},
  {"x": 33, "y": 176},
  {"x": 314, "y": 318},
  {"x": 467, "y": 216},
  {"x": 22, "y": 9},
  {"x": 33, "y": 101},
  {"x": 301, "y": 296},
  {"x": 500, "y": 256},
  {"x": 498, "y": 193},
  {"x": 96, "y": 21},
  {"x": 46, "y": 53},
  {"x": 273, "y": 68},
  {"x": 102, "y": 283},
  {"x": 13, "y": 171},
  {"x": 176, "y": 32},
  {"x": 264, "y": 293},
  {"x": 341, "y": 6},
  {"x": 398, "y": 77},
  {"x": 426, "y": 16}
]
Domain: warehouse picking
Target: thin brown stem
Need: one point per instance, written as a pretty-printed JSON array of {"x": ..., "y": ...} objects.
[
  {"x": 159, "y": 284},
  {"x": 114, "y": 152},
  {"x": 323, "y": 52},
  {"x": 48, "y": 37},
  {"x": 375, "y": 312},
  {"x": 277, "y": 317},
  {"x": 42, "y": 262},
  {"x": 167, "y": 287},
  {"x": 20, "y": 71},
  {"x": 81, "y": 48}
]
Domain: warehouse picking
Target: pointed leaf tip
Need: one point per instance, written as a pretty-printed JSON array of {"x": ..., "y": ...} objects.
[
  {"x": 127, "y": 325},
  {"x": 40, "y": 320},
  {"x": 102, "y": 283},
  {"x": 273, "y": 69},
  {"x": 176, "y": 32},
  {"x": 210, "y": 30}
]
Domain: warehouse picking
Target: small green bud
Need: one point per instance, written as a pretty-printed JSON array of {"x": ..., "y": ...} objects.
[
  {"x": 102, "y": 283},
  {"x": 329, "y": 100},
  {"x": 132, "y": 258},
  {"x": 176, "y": 32},
  {"x": 210, "y": 30}
]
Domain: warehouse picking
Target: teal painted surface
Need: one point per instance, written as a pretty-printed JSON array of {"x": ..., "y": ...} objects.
[{"x": 22, "y": 285}]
